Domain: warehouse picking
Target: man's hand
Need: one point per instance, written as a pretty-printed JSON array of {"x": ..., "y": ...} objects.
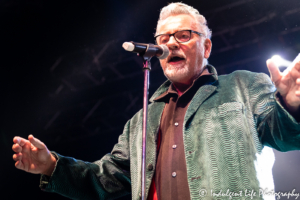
[
  {"x": 288, "y": 84},
  {"x": 33, "y": 156}
]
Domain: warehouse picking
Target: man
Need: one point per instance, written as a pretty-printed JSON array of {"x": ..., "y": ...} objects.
[{"x": 206, "y": 133}]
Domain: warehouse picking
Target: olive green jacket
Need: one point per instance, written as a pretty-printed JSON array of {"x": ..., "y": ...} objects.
[{"x": 228, "y": 128}]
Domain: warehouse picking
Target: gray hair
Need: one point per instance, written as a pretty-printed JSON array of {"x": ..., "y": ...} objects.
[{"x": 181, "y": 8}]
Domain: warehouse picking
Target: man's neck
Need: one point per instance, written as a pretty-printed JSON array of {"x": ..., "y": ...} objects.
[{"x": 182, "y": 87}]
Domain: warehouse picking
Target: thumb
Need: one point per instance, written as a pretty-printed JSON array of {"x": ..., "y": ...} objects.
[
  {"x": 274, "y": 71},
  {"x": 36, "y": 142}
]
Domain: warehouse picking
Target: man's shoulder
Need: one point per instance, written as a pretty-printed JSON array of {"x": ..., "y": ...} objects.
[
  {"x": 242, "y": 81},
  {"x": 243, "y": 75},
  {"x": 239, "y": 73}
]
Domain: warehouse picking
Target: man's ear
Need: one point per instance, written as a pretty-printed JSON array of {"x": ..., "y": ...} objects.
[{"x": 207, "y": 48}]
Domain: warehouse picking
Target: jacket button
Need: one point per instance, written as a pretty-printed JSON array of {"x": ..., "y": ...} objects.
[{"x": 150, "y": 167}]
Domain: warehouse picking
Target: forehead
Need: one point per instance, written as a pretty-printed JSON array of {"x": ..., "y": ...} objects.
[{"x": 177, "y": 22}]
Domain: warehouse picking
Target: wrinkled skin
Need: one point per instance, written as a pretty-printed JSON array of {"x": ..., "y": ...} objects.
[{"x": 183, "y": 72}]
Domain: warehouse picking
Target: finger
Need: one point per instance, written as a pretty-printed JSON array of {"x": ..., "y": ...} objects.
[
  {"x": 274, "y": 71},
  {"x": 296, "y": 62},
  {"x": 19, "y": 165},
  {"x": 297, "y": 93},
  {"x": 16, "y": 148},
  {"x": 36, "y": 142},
  {"x": 20, "y": 141},
  {"x": 297, "y": 65},
  {"x": 298, "y": 81},
  {"x": 17, "y": 156}
]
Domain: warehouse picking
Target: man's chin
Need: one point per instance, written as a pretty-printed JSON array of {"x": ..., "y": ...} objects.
[
  {"x": 176, "y": 65},
  {"x": 176, "y": 74}
]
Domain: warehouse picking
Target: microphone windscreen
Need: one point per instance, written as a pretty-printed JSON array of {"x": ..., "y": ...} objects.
[
  {"x": 128, "y": 46},
  {"x": 165, "y": 53}
]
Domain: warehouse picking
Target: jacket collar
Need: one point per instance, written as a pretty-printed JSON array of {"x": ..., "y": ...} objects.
[{"x": 165, "y": 86}]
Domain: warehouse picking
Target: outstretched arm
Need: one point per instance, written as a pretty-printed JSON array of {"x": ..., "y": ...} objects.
[{"x": 107, "y": 178}]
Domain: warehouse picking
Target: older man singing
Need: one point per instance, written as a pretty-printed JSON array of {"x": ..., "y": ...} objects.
[{"x": 206, "y": 133}]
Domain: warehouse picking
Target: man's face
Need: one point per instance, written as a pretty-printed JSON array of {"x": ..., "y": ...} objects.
[{"x": 185, "y": 62}]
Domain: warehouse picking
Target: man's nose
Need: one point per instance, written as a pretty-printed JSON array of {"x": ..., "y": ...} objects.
[{"x": 172, "y": 43}]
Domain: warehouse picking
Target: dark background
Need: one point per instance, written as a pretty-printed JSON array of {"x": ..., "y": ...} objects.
[{"x": 66, "y": 79}]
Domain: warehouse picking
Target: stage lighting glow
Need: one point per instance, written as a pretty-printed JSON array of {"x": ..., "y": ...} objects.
[
  {"x": 276, "y": 58},
  {"x": 280, "y": 62}
]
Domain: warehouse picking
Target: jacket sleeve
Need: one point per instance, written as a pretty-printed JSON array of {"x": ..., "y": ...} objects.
[
  {"x": 107, "y": 178},
  {"x": 276, "y": 127}
]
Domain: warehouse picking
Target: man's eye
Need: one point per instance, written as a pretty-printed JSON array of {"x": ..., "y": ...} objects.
[
  {"x": 164, "y": 40},
  {"x": 183, "y": 36}
]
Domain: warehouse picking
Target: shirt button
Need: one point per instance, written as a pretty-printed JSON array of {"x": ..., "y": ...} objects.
[
  {"x": 173, "y": 174},
  {"x": 176, "y": 124},
  {"x": 150, "y": 167},
  {"x": 174, "y": 146}
]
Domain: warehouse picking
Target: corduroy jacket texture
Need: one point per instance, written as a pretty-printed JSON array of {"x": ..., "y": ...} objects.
[{"x": 228, "y": 128}]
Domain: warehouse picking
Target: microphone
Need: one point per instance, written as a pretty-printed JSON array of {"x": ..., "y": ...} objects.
[{"x": 160, "y": 51}]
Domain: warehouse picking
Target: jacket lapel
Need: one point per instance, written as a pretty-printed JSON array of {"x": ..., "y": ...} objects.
[
  {"x": 154, "y": 116},
  {"x": 201, "y": 95}
]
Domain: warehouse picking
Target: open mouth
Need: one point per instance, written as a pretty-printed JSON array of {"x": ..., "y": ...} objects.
[{"x": 175, "y": 59}]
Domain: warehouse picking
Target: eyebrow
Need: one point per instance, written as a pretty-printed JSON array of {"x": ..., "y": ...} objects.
[{"x": 184, "y": 29}]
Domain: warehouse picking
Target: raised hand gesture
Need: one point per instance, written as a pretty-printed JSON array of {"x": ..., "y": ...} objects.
[
  {"x": 33, "y": 156},
  {"x": 288, "y": 84}
]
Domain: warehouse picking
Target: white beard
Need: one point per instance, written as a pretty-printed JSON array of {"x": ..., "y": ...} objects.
[{"x": 176, "y": 74}]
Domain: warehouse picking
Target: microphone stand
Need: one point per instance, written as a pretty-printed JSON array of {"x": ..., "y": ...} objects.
[{"x": 146, "y": 68}]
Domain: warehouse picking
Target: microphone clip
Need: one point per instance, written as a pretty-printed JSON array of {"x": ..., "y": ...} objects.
[{"x": 149, "y": 53}]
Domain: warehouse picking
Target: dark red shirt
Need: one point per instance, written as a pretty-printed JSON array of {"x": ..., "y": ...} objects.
[{"x": 170, "y": 179}]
